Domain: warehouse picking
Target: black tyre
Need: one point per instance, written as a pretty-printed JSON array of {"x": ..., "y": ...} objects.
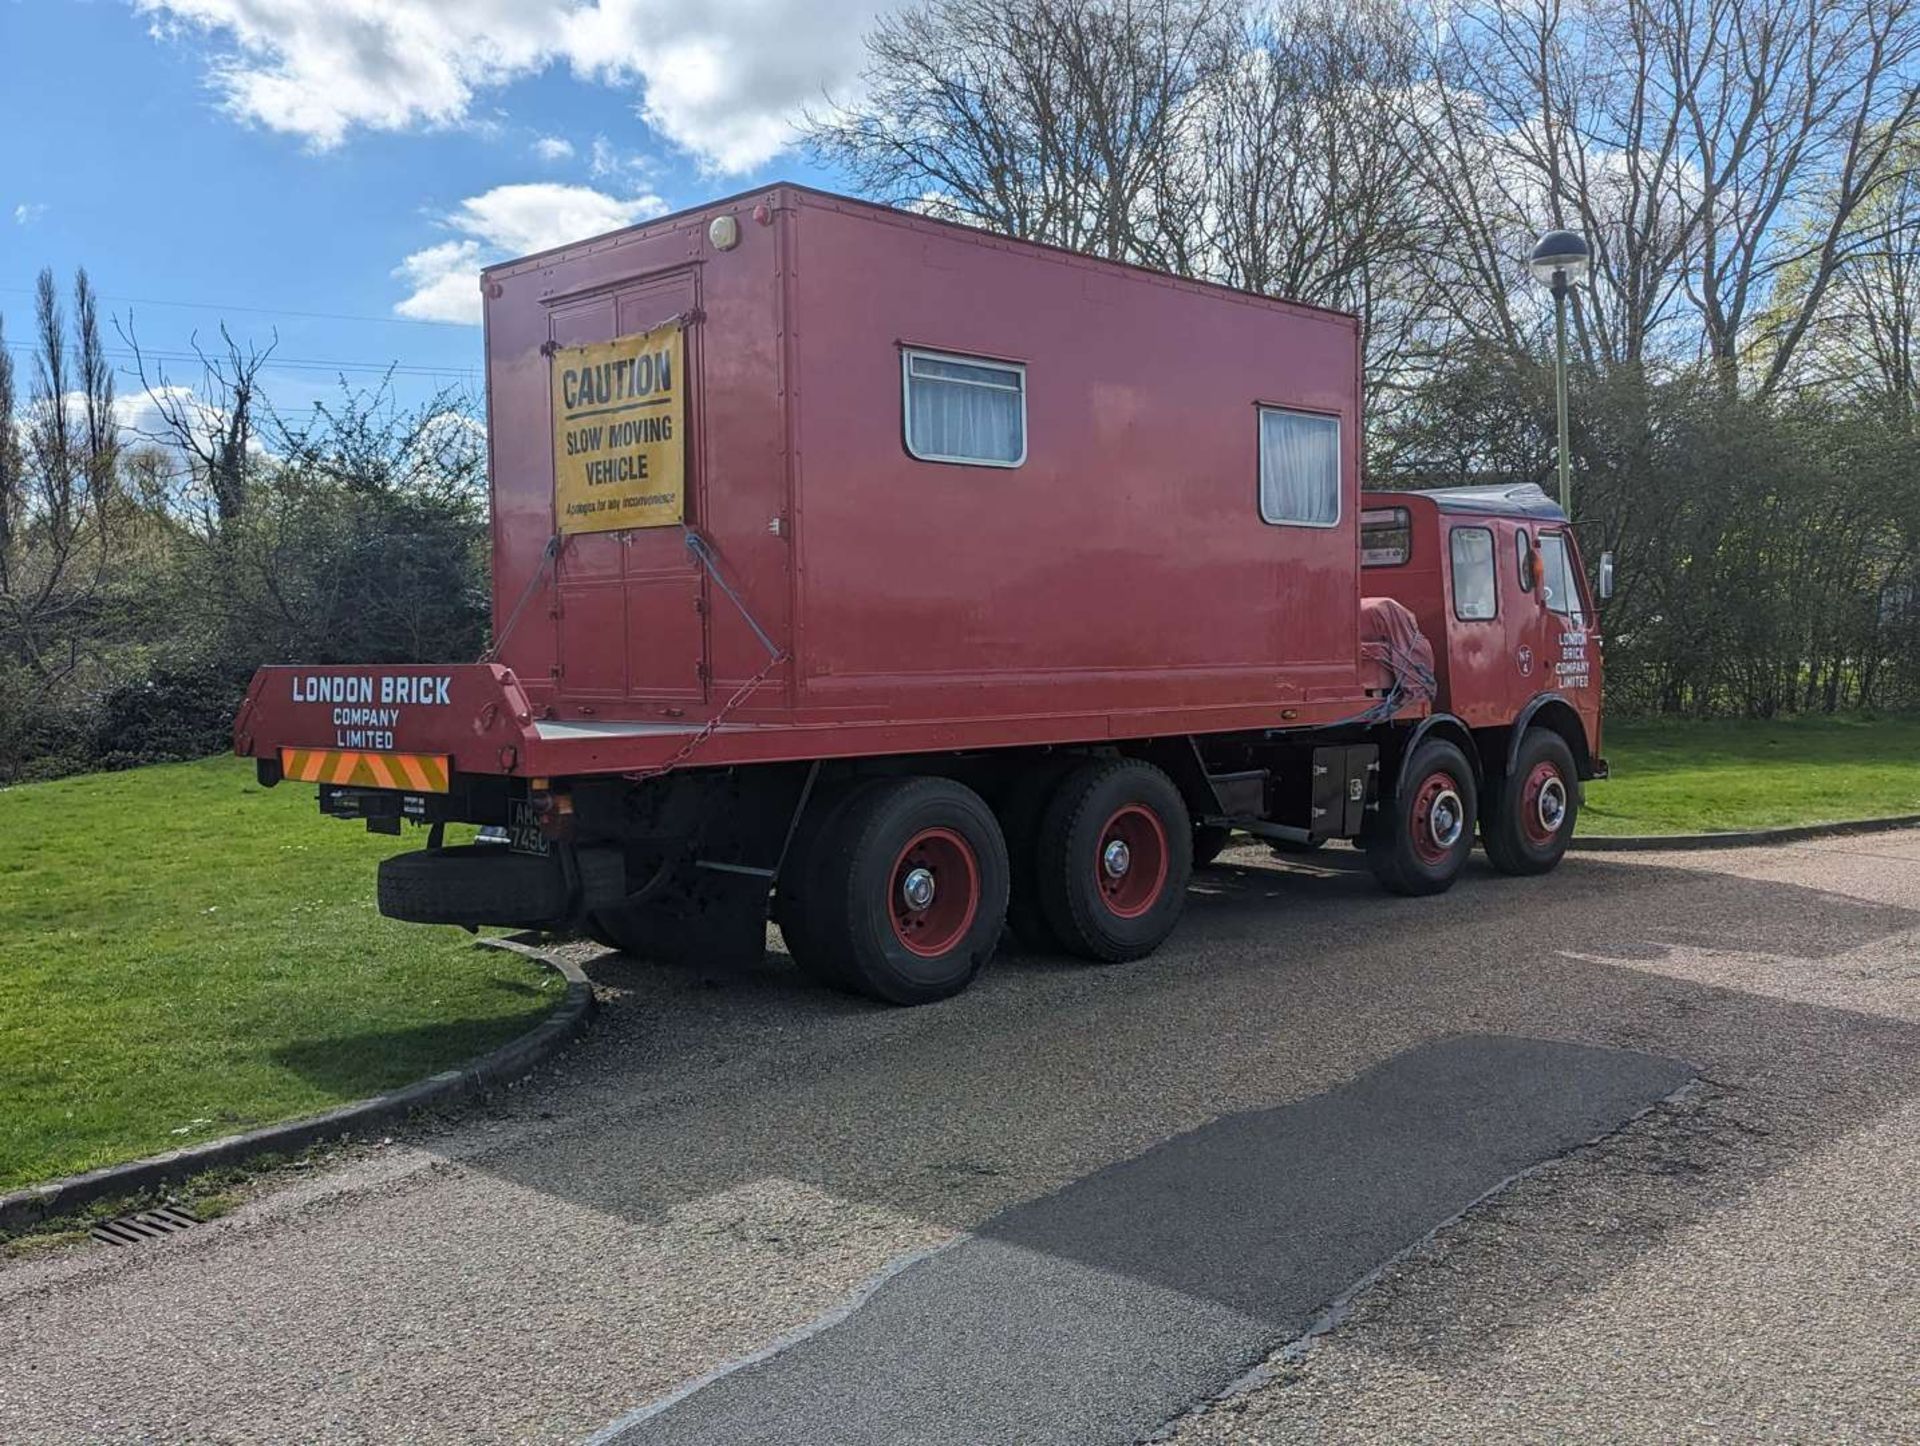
[
  {"x": 907, "y": 893},
  {"x": 1529, "y": 816},
  {"x": 1208, "y": 841},
  {"x": 1421, "y": 837},
  {"x": 1021, "y": 811},
  {"x": 1115, "y": 854},
  {"x": 471, "y": 885},
  {"x": 802, "y": 880}
]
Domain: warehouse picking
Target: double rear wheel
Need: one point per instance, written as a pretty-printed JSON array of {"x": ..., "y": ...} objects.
[
  {"x": 897, "y": 890},
  {"x": 1110, "y": 861}
]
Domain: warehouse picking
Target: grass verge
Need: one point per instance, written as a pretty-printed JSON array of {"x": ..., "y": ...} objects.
[
  {"x": 1675, "y": 776},
  {"x": 184, "y": 955}
]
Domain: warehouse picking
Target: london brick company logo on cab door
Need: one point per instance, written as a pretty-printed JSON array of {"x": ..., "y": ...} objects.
[
  {"x": 619, "y": 453},
  {"x": 367, "y": 709}
]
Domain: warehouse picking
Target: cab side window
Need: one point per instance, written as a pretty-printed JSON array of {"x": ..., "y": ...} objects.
[
  {"x": 1558, "y": 587},
  {"x": 1523, "y": 558},
  {"x": 1475, "y": 583}
]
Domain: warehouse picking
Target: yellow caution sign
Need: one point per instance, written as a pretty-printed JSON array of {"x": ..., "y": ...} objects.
[{"x": 619, "y": 424}]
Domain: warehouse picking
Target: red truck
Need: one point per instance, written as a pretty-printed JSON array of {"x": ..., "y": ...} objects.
[{"x": 908, "y": 582}]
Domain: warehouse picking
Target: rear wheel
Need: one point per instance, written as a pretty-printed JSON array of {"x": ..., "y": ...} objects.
[
  {"x": 907, "y": 892},
  {"x": 1115, "y": 853},
  {"x": 1422, "y": 835},
  {"x": 801, "y": 881},
  {"x": 1530, "y": 813}
]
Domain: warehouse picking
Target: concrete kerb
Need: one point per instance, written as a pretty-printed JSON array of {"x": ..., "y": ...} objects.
[
  {"x": 515, "y": 1058},
  {"x": 1745, "y": 838}
]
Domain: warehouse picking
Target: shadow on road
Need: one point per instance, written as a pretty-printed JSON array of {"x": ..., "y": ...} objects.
[{"x": 1284, "y": 982}]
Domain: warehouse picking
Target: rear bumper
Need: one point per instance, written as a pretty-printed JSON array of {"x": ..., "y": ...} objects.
[{"x": 363, "y": 725}]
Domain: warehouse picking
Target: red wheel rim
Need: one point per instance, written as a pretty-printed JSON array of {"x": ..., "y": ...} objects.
[
  {"x": 1543, "y": 804},
  {"x": 1439, "y": 818},
  {"x": 1130, "y": 864},
  {"x": 933, "y": 892}
]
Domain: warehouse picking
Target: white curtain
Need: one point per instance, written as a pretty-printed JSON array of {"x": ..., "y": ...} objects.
[
  {"x": 1299, "y": 468},
  {"x": 961, "y": 411}
]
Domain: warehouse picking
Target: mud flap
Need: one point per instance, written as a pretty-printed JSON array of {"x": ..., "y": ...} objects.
[{"x": 712, "y": 919}]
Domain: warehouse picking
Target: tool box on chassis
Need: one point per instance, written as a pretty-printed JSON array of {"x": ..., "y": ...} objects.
[{"x": 1002, "y": 583}]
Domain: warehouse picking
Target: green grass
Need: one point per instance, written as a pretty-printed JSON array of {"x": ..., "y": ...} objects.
[
  {"x": 184, "y": 954},
  {"x": 1683, "y": 777}
]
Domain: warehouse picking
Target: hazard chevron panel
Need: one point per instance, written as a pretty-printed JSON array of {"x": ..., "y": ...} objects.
[{"x": 412, "y": 772}]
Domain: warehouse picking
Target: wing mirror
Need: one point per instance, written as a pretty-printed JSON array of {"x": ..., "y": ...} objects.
[{"x": 1606, "y": 575}]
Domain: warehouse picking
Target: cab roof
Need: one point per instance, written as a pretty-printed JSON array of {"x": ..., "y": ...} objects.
[{"x": 1524, "y": 499}]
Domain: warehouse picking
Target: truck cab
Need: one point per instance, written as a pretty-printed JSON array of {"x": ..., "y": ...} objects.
[{"x": 1493, "y": 575}]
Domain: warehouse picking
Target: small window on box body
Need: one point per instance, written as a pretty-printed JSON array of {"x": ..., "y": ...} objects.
[
  {"x": 1386, "y": 536},
  {"x": 964, "y": 409},
  {"x": 1475, "y": 597},
  {"x": 1299, "y": 468}
]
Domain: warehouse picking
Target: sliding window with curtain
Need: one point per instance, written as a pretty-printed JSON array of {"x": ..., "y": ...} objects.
[{"x": 1299, "y": 468}]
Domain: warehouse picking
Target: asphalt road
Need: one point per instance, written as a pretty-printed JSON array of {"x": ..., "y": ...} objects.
[{"x": 1080, "y": 1204}]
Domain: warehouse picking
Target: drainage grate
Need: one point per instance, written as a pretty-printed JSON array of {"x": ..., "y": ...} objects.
[{"x": 147, "y": 1225}]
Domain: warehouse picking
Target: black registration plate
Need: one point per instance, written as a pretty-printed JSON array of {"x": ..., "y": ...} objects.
[{"x": 523, "y": 831}]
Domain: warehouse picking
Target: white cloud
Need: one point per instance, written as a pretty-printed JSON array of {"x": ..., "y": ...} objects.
[
  {"x": 508, "y": 221},
  {"x": 725, "y": 79},
  {"x": 553, "y": 148},
  {"x": 443, "y": 282},
  {"x": 27, "y": 212}
]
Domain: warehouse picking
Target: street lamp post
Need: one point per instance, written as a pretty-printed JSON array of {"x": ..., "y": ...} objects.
[{"x": 1558, "y": 261}]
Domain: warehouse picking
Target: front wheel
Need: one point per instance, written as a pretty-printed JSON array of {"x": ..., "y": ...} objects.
[
  {"x": 1531, "y": 812},
  {"x": 1421, "y": 838}
]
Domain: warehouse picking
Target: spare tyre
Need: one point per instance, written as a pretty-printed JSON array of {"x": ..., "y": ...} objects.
[{"x": 472, "y": 885}]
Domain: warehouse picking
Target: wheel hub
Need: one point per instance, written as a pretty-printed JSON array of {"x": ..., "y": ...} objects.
[
  {"x": 917, "y": 888},
  {"x": 1553, "y": 805},
  {"x": 1445, "y": 819},
  {"x": 1116, "y": 858}
]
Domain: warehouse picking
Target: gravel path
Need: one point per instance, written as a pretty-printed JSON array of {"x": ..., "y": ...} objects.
[{"x": 716, "y": 1166}]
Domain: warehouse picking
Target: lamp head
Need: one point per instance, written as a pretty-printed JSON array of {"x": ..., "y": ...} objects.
[{"x": 1559, "y": 258}]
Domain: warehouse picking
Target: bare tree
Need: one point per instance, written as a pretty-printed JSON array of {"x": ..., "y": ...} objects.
[
  {"x": 1864, "y": 339},
  {"x": 211, "y": 427},
  {"x": 56, "y": 550},
  {"x": 1044, "y": 119},
  {"x": 11, "y": 481},
  {"x": 1708, "y": 147},
  {"x": 1296, "y": 180}
]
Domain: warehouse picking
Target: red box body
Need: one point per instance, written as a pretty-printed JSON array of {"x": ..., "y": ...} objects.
[{"x": 1121, "y": 583}]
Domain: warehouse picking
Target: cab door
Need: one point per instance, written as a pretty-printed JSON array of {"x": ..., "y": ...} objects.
[{"x": 1569, "y": 649}]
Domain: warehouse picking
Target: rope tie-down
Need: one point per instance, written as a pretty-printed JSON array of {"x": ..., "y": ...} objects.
[{"x": 703, "y": 554}]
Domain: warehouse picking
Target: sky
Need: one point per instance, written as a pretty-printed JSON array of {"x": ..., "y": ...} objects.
[{"x": 329, "y": 175}]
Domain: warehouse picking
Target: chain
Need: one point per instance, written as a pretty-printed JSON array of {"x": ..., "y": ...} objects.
[
  {"x": 712, "y": 725},
  {"x": 703, "y": 554}
]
